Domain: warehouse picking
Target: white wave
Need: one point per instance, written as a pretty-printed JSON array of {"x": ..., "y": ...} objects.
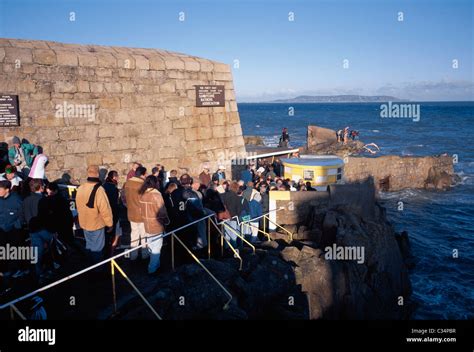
[
  {"x": 376, "y": 131},
  {"x": 258, "y": 126},
  {"x": 404, "y": 194}
]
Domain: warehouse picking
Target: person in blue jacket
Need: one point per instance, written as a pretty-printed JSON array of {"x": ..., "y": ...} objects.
[{"x": 11, "y": 222}]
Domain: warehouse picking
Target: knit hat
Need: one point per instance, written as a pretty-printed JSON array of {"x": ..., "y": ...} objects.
[
  {"x": 16, "y": 140},
  {"x": 10, "y": 169}
]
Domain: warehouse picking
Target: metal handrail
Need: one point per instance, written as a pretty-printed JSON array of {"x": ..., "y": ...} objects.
[
  {"x": 226, "y": 306},
  {"x": 124, "y": 253},
  {"x": 240, "y": 236},
  {"x": 236, "y": 253}
]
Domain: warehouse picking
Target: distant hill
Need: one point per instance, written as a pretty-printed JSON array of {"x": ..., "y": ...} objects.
[{"x": 339, "y": 99}]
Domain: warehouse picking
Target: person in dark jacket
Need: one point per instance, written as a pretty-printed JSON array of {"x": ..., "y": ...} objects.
[
  {"x": 265, "y": 198},
  {"x": 235, "y": 205},
  {"x": 39, "y": 222},
  {"x": 285, "y": 138},
  {"x": 113, "y": 195},
  {"x": 60, "y": 210},
  {"x": 186, "y": 207},
  {"x": 173, "y": 178},
  {"x": 11, "y": 221},
  {"x": 213, "y": 201},
  {"x": 219, "y": 175}
]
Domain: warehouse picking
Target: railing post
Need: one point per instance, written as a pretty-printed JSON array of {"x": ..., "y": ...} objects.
[
  {"x": 172, "y": 250},
  {"x": 12, "y": 313},
  {"x": 242, "y": 233},
  {"x": 208, "y": 238},
  {"x": 222, "y": 240},
  {"x": 264, "y": 226},
  {"x": 114, "y": 295}
]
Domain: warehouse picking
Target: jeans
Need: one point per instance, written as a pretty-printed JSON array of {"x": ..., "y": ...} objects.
[
  {"x": 38, "y": 240},
  {"x": 154, "y": 245},
  {"x": 95, "y": 241},
  {"x": 137, "y": 238}
]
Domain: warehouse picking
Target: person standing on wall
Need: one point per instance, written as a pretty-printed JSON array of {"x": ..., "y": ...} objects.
[
  {"x": 285, "y": 138},
  {"x": 95, "y": 214},
  {"x": 22, "y": 155},
  {"x": 132, "y": 196}
]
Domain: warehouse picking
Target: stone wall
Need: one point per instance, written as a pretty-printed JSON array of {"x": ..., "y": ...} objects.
[
  {"x": 143, "y": 101},
  {"x": 394, "y": 173},
  {"x": 298, "y": 205}
]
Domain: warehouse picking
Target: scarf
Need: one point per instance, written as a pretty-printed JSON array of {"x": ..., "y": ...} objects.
[{"x": 90, "y": 202}]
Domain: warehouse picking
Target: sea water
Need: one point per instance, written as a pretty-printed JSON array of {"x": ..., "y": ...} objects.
[{"x": 440, "y": 224}]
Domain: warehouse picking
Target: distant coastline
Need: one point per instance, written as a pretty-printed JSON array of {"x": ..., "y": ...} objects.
[
  {"x": 338, "y": 99},
  {"x": 287, "y": 101}
]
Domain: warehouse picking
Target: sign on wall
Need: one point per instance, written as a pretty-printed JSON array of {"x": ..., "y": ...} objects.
[
  {"x": 9, "y": 111},
  {"x": 210, "y": 96}
]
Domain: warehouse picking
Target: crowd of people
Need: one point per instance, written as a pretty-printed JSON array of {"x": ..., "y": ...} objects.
[
  {"x": 343, "y": 136},
  {"x": 34, "y": 210}
]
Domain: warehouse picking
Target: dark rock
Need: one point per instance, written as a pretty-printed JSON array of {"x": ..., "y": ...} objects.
[
  {"x": 290, "y": 254},
  {"x": 439, "y": 179}
]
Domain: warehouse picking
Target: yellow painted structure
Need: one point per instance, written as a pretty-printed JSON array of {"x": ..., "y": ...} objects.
[{"x": 320, "y": 170}]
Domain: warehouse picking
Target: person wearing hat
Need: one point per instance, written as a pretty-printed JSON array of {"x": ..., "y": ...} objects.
[
  {"x": 95, "y": 213},
  {"x": 204, "y": 176},
  {"x": 21, "y": 154},
  {"x": 11, "y": 175},
  {"x": 219, "y": 174}
]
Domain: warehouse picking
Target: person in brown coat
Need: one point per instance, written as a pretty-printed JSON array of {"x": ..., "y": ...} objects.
[
  {"x": 132, "y": 197},
  {"x": 155, "y": 217},
  {"x": 205, "y": 177},
  {"x": 95, "y": 213}
]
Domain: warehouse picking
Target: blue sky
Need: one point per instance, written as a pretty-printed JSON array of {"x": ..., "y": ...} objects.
[{"x": 279, "y": 58}]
